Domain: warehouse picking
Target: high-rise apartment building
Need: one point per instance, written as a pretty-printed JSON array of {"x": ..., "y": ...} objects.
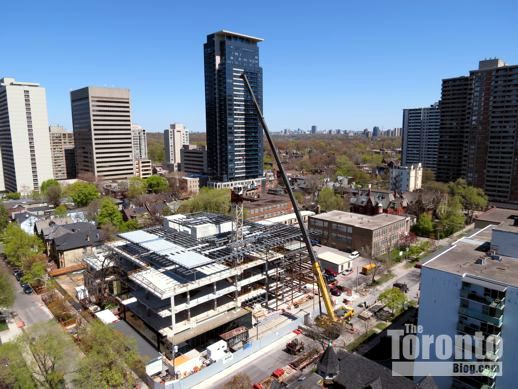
[
  {"x": 406, "y": 178},
  {"x": 420, "y": 136},
  {"x": 139, "y": 142},
  {"x": 234, "y": 135},
  {"x": 61, "y": 148},
  {"x": 194, "y": 159},
  {"x": 175, "y": 137},
  {"x": 471, "y": 289},
  {"x": 24, "y": 136},
  {"x": 102, "y": 132},
  {"x": 479, "y": 129},
  {"x": 313, "y": 129},
  {"x": 376, "y": 131}
]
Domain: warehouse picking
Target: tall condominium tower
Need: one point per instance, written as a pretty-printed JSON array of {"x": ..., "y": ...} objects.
[
  {"x": 62, "y": 152},
  {"x": 139, "y": 141},
  {"x": 175, "y": 137},
  {"x": 102, "y": 132},
  {"x": 24, "y": 136},
  {"x": 421, "y": 136},
  {"x": 479, "y": 129},
  {"x": 234, "y": 135}
]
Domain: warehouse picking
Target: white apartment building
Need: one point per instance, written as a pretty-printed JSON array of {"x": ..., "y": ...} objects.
[
  {"x": 24, "y": 136},
  {"x": 139, "y": 142},
  {"x": 472, "y": 287},
  {"x": 143, "y": 168},
  {"x": 102, "y": 132},
  {"x": 406, "y": 178},
  {"x": 62, "y": 152},
  {"x": 175, "y": 137}
]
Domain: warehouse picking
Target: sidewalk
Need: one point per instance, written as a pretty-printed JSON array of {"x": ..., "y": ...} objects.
[{"x": 12, "y": 333}]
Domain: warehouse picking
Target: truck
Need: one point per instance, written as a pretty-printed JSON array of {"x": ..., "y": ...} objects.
[
  {"x": 346, "y": 312},
  {"x": 368, "y": 269},
  {"x": 295, "y": 347}
]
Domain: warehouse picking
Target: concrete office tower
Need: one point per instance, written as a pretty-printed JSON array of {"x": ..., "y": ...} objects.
[
  {"x": 479, "y": 130},
  {"x": 313, "y": 129},
  {"x": 473, "y": 287},
  {"x": 139, "y": 135},
  {"x": 2, "y": 183},
  {"x": 24, "y": 136},
  {"x": 175, "y": 137},
  {"x": 420, "y": 136},
  {"x": 194, "y": 159},
  {"x": 102, "y": 132},
  {"x": 234, "y": 135},
  {"x": 376, "y": 131},
  {"x": 62, "y": 152}
]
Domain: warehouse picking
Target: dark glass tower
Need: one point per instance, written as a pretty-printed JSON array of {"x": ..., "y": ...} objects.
[{"x": 234, "y": 135}]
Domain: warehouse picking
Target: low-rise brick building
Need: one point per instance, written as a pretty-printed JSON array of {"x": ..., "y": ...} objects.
[{"x": 372, "y": 236}]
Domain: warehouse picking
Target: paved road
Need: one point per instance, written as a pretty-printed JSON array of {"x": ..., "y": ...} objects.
[{"x": 29, "y": 308}]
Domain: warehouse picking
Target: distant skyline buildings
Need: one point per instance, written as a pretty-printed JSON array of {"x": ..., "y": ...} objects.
[
  {"x": 234, "y": 135},
  {"x": 139, "y": 135},
  {"x": 102, "y": 132},
  {"x": 24, "y": 136},
  {"x": 62, "y": 152},
  {"x": 175, "y": 137}
]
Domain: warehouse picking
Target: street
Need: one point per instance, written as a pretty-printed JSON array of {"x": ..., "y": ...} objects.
[{"x": 29, "y": 308}]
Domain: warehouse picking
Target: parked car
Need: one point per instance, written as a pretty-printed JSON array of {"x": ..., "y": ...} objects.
[
  {"x": 331, "y": 272},
  {"x": 18, "y": 274},
  {"x": 336, "y": 292},
  {"x": 347, "y": 271},
  {"x": 402, "y": 286},
  {"x": 27, "y": 289},
  {"x": 329, "y": 278},
  {"x": 355, "y": 254}
]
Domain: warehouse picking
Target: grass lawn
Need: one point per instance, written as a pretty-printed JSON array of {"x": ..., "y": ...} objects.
[
  {"x": 3, "y": 326},
  {"x": 381, "y": 326},
  {"x": 359, "y": 340},
  {"x": 384, "y": 278}
]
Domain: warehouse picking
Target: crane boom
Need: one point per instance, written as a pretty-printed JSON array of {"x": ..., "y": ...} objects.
[{"x": 317, "y": 270}]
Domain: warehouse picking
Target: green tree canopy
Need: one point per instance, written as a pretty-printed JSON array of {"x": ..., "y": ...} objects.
[
  {"x": 157, "y": 184},
  {"x": 451, "y": 217},
  {"x": 14, "y": 372},
  {"x": 4, "y": 218},
  {"x": 136, "y": 187},
  {"x": 329, "y": 201},
  {"x": 208, "y": 200},
  {"x": 424, "y": 225},
  {"x": 109, "y": 213},
  {"x": 61, "y": 211},
  {"x": 82, "y": 193},
  {"x": 13, "y": 196},
  {"x": 7, "y": 294},
  {"x": 53, "y": 195},
  {"x": 109, "y": 357},
  {"x": 45, "y": 185},
  {"x": 394, "y": 299},
  {"x": 19, "y": 245}
]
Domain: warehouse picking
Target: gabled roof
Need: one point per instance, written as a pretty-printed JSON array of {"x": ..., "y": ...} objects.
[
  {"x": 75, "y": 235},
  {"x": 327, "y": 365}
]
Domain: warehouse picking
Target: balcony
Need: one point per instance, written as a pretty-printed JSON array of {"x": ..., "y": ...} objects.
[
  {"x": 466, "y": 329},
  {"x": 496, "y": 320},
  {"x": 490, "y": 302}
]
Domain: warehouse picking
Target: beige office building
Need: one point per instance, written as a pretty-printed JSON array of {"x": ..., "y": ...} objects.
[
  {"x": 24, "y": 136},
  {"x": 61, "y": 150},
  {"x": 102, "y": 132},
  {"x": 175, "y": 137}
]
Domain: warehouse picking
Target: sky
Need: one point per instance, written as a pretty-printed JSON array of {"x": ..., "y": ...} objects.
[{"x": 336, "y": 64}]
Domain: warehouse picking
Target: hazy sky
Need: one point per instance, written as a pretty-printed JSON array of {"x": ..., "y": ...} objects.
[{"x": 337, "y": 64}]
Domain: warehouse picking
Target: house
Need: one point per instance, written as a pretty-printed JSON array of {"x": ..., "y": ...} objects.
[
  {"x": 26, "y": 221},
  {"x": 372, "y": 202},
  {"x": 68, "y": 244}
]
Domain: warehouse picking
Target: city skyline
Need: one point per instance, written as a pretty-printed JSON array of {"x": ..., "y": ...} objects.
[{"x": 361, "y": 75}]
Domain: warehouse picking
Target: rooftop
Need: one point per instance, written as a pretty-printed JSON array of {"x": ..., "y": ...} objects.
[
  {"x": 238, "y": 35},
  {"x": 359, "y": 220},
  {"x": 266, "y": 200},
  {"x": 497, "y": 215},
  {"x": 464, "y": 258}
]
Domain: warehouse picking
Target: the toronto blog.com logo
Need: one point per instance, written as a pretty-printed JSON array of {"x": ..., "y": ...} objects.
[{"x": 415, "y": 353}]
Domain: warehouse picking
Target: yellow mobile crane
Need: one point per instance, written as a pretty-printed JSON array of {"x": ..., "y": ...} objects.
[{"x": 317, "y": 270}]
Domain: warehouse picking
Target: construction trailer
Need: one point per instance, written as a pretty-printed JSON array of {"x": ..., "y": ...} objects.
[{"x": 188, "y": 281}]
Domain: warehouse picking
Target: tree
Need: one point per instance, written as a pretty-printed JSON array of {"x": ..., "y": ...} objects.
[
  {"x": 61, "y": 211},
  {"x": 45, "y": 185},
  {"x": 13, "y": 196},
  {"x": 451, "y": 217},
  {"x": 136, "y": 187},
  {"x": 7, "y": 294},
  {"x": 14, "y": 372},
  {"x": 82, "y": 193},
  {"x": 34, "y": 269},
  {"x": 53, "y": 353},
  {"x": 299, "y": 196},
  {"x": 4, "y": 218},
  {"x": 109, "y": 357},
  {"x": 156, "y": 184},
  {"x": 109, "y": 213},
  {"x": 53, "y": 195},
  {"x": 19, "y": 245},
  {"x": 329, "y": 201},
  {"x": 208, "y": 200},
  {"x": 424, "y": 225},
  {"x": 472, "y": 198},
  {"x": 394, "y": 299},
  {"x": 239, "y": 381}
]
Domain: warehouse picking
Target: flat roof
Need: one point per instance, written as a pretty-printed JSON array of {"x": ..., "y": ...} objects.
[
  {"x": 238, "y": 35},
  {"x": 461, "y": 259},
  {"x": 359, "y": 220},
  {"x": 496, "y": 215},
  {"x": 330, "y": 254}
]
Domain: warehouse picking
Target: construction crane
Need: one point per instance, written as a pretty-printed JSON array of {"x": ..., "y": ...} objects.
[{"x": 317, "y": 270}]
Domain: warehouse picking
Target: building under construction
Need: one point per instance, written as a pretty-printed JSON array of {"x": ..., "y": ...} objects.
[{"x": 189, "y": 280}]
